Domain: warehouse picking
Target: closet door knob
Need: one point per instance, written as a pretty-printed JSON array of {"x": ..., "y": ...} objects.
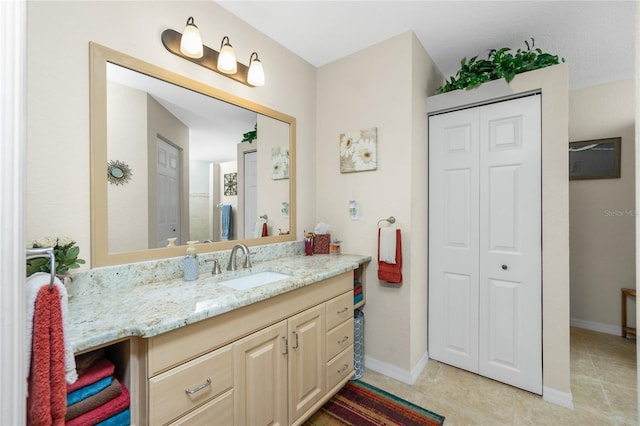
[{"x": 504, "y": 267}]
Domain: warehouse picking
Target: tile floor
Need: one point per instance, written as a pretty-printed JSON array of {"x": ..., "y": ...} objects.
[{"x": 603, "y": 385}]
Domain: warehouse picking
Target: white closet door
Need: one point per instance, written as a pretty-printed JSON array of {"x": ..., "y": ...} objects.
[
  {"x": 510, "y": 321},
  {"x": 485, "y": 241},
  {"x": 453, "y": 238}
]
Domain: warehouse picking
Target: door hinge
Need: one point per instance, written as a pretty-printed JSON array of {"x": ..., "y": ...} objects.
[{"x": 286, "y": 345}]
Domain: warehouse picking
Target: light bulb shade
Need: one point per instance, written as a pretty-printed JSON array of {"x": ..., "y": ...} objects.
[
  {"x": 255, "y": 76},
  {"x": 227, "y": 62},
  {"x": 191, "y": 41}
]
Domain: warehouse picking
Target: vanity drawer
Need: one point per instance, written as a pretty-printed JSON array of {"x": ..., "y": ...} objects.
[
  {"x": 339, "y": 338},
  {"x": 340, "y": 367},
  {"x": 204, "y": 377},
  {"x": 216, "y": 412},
  {"x": 339, "y": 309}
]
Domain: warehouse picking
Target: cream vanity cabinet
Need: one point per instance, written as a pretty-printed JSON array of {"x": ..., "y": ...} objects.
[{"x": 272, "y": 362}]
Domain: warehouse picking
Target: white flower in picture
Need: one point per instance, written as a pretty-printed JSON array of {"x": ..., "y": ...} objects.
[
  {"x": 347, "y": 143},
  {"x": 364, "y": 156},
  {"x": 358, "y": 151},
  {"x": 280, "y": 163}
]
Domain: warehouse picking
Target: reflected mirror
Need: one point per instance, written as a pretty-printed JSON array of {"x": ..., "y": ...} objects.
[{"x": 200, "y": 164}]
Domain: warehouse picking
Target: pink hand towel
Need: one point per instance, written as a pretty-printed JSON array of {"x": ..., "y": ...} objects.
[{"x": 47, "y": 400}]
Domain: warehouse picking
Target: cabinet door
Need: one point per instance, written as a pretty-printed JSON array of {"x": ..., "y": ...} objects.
[
  {"x": 306, "y": 360},
  {"x": 261, "y": 377}
]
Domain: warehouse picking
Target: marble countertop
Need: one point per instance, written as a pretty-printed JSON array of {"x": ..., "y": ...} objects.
[{"x": 109, "y": 313}]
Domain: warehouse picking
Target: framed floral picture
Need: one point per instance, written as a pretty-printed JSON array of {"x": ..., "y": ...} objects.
[
  {"x": 280, "y": 162},
  {"x": 358, "y": 150}
]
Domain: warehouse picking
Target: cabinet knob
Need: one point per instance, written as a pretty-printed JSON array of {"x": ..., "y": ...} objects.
[{"x": 505, "y": 267}]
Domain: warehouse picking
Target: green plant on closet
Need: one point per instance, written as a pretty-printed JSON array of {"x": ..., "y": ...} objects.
[{"x": 500, "y": 63}]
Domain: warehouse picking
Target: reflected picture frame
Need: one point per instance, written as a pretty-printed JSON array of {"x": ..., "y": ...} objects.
[{"x": 595, "y": 159}]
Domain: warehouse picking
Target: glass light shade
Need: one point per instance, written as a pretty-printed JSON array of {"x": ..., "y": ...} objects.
[
  {"x": 227, "y": 62},
  {"x": 255, "y": 76},
  {"x": 191, "y": 41}
]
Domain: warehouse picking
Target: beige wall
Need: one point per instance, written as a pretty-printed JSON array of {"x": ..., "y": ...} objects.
[
  {"x": 603, "y": 210},
  {"x": 553, "y": 82},
  {"x": 126, "y": 142},
  {"x": 359, "y": 92},
  {"x": 58, "y": 95},
  {"x": 271, "y": 193}
]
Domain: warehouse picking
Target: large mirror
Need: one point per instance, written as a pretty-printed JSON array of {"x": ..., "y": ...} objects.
[{"x": 174, "y": 160}]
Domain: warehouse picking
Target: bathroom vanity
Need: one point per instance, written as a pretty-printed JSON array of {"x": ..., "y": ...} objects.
[{"x": 201, "y": 352}]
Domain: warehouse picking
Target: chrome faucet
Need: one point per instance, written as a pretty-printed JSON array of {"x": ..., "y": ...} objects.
[{"x": 232, "y": 258}]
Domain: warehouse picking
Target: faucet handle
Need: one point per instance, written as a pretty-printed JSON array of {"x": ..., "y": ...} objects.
[{"x": 216, "y": 268}]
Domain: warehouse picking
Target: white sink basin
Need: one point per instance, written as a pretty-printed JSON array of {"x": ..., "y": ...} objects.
[{"x": 254, "y": 280}]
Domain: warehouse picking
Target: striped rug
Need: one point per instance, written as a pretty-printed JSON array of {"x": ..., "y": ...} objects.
[{"x": 361, "y": 404}]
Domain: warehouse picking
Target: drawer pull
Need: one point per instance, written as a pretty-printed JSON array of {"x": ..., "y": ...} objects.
[
  {"x": 344, "y": 339},
  {"x": 343, "y": 368},
  {"x": 199, "y": 388},
  {"x": 343, "y": 310}
]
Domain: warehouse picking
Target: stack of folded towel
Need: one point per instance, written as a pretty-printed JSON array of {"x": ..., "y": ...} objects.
[
  {"x": 357, "y": 289},
  {"x": 97, "y": 397}
]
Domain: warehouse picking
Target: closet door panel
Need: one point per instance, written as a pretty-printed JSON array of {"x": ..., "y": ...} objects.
[
  {"x": 453, "y": 241},
  {"x": 510, "y": 336}
]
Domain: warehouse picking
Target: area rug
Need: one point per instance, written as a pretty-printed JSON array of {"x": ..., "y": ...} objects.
[{"x": 360, "y": 404}]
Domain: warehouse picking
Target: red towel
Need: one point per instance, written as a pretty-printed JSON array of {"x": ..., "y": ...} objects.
[
  {"x": 98, "y": 370},
  {"x": 47, "y": 400},
  {"x": 265, "y": 231},
  {"x": 103, "y": 412},
  {"x": 387, "y": 271}
]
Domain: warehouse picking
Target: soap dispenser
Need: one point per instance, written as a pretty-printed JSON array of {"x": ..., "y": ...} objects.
[{"x": 190, "y": 268}]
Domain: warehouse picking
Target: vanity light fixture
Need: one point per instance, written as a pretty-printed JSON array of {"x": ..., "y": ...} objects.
[
  {"x": 227, "y": 62},
  {"x": 224, "y": 62},
  {"x": 191, "y": 41},
  {"x": 255, "y": 76}
]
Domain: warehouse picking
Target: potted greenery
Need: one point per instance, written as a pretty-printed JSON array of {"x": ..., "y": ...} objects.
[
  {"x": 499, "y": 64},
  {"x": 65, "y": 252}
]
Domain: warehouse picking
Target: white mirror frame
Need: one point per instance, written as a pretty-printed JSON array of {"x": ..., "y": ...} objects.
[{"x": 100, "y": 256}]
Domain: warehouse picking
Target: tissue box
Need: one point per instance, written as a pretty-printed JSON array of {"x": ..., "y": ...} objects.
[{"x": 321, "y": 243}]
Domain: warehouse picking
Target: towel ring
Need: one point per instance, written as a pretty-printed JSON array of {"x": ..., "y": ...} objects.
[
  {"x": 390, "y": 219},
  {"x": 45, "y": 252}
]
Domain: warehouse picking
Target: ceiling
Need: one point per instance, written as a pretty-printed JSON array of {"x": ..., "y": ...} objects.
[{"x": 596, "y": 38}]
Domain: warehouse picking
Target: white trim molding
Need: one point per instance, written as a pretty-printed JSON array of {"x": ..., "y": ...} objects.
[
  {"x": 553, "y": 396},
  {"x": 616, "y": 330},
  {"x": 405, "y": 376},
  {"x": 13, "y": 93}
]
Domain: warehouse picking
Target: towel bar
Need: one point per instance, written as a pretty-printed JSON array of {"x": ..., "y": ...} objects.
[
  {"x": 390, "y": 219},
  {"x": 33, "y": 253}
]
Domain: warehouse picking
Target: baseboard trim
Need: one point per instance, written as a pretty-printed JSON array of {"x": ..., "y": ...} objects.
[
  {"x": 405, "y": 376},
  {"x": 616, "y": 330},
  {"x": 556, "y": 397}
]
